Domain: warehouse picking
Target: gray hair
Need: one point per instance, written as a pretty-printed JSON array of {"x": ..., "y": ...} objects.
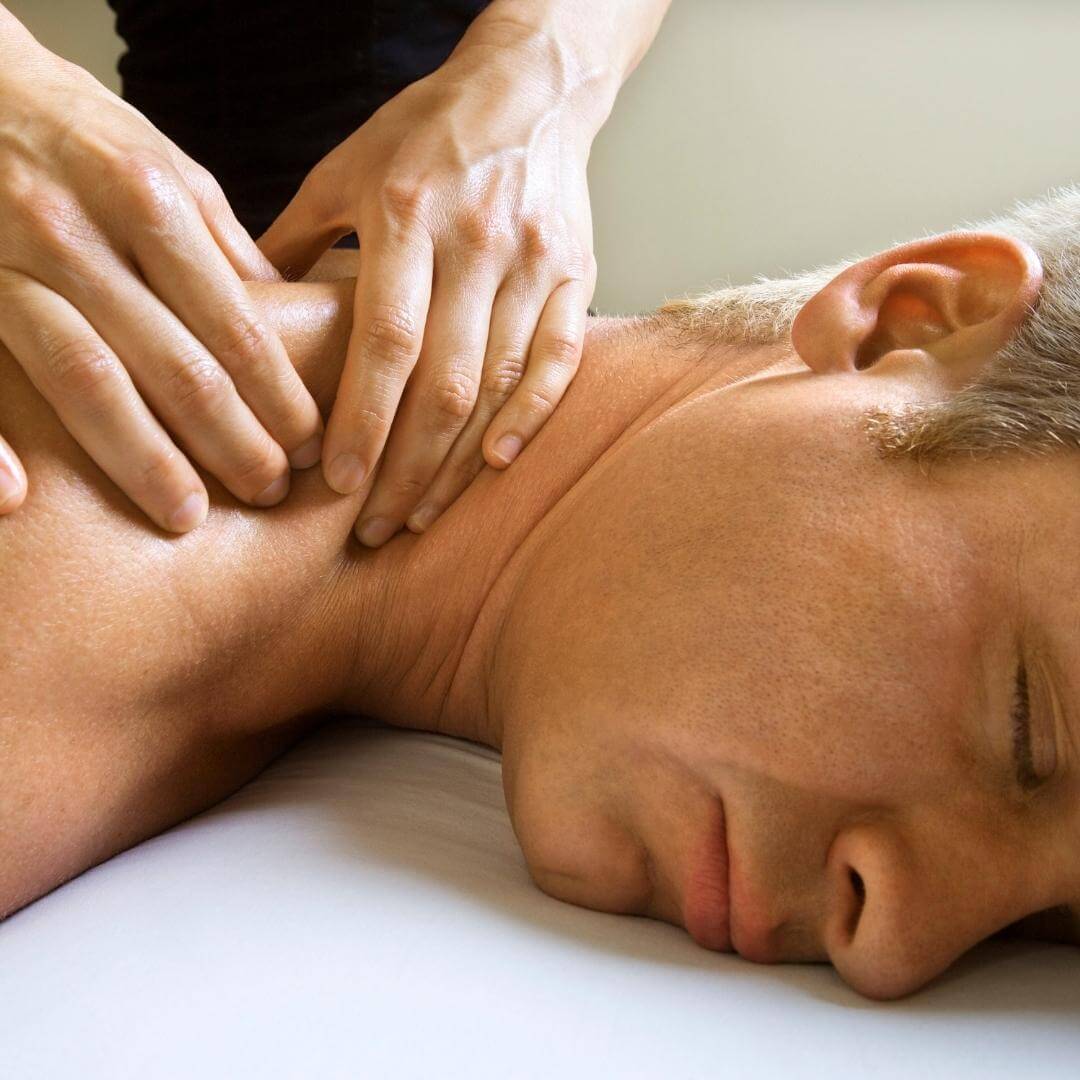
[{"x": 1028, "y": 396}]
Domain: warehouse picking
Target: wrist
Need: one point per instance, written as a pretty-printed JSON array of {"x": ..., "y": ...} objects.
[
  {"x": 22, "y": 56},
  {"x": 531, "y": 56},
  {"x": 15, "y": 40}
]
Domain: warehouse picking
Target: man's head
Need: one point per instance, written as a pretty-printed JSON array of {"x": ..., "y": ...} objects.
[
  {"x": 751, "y": 630},
  {"x": 1026, "y": 397}
]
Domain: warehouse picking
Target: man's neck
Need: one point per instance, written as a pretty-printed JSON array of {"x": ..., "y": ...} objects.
[
  {"x": 417, "y": 621},
  {"x": 453, "y": 586}
]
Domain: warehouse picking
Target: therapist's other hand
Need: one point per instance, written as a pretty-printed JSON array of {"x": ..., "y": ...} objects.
[
  {"x": 121, "y": 298},
  {"x": 468, "y": 194}
]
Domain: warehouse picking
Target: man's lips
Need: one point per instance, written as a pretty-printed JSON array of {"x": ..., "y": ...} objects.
[{"x": 707, "y": 893}]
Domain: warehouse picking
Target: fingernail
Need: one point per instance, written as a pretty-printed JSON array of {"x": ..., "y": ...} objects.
[
  {"x": 508, "y": 447},
  {"x": 345, "y": 474},
  {"x": 376, "y": 531},
  {"x": 10, "y": 488},
  {"x": 190, "y": 512},
  {"x": 303, "y": 457},
  {"x": 273, "y": 493},
  {"x": 422, "y": 517}
]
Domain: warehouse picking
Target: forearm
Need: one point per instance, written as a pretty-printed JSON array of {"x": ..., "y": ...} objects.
[
  {"x": 583, "y": 49},
  {"x": 12, "y": 32},
  {"x": 19, "y": 50},
  {"x": 613, "y": 35}
]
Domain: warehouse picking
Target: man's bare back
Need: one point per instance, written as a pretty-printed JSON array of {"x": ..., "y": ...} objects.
[
  {"x": 146, "y": 676},
  {"x": 112, "y": 630}
]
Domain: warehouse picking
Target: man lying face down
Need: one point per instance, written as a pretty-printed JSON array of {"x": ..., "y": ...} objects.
[{"x": 776, "y": 622}]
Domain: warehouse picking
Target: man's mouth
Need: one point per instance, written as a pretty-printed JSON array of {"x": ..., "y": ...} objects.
[{"x": 707, "y": 893}]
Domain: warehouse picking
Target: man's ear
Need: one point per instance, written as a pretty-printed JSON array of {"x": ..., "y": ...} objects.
[{"x": 940, "y": 308}]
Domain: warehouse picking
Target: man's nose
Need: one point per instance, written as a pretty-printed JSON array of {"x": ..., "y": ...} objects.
[{"x": 892, "y": 922}]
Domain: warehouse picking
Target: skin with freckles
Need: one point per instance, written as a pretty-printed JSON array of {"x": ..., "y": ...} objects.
[{"x": 700, "y": 610}]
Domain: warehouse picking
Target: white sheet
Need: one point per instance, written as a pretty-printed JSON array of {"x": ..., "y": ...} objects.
[{"x": 362, "y": 910}]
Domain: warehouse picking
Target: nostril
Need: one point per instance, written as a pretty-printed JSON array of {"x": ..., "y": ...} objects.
[
  {"x": 857, "y": 885},
  {"x": 858, "y": 888}
]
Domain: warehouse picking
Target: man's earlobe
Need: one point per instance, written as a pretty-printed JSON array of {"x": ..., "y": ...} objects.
[{"x": 942, "y": 306}]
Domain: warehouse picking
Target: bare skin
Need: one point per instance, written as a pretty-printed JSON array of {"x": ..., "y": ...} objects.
[
  {"x": 121, "y": 265},
  {"x": 270, "y": 616},
  {"x": 698, "y": 587}
]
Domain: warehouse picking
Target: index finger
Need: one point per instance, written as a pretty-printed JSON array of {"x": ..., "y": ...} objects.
[
  {"x": 234, "y": 240},
  {"x": 393, "y": 292},
  {"x": 182, "y": 264}
]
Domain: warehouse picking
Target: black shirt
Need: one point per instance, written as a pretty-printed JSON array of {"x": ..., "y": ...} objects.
[{"x": 258, "y": 91}]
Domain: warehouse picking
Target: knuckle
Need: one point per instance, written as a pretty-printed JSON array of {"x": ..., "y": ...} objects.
[
  {"x": 199, "y": 385},
  {"x": 243, "y": 341},
  {"x": 257, "y": 468},
  {"x": 39, "y": 205},
  {"x": 405, "y": 489},
  {"x": 368, "y": 423},
  {"x": 405, "y": 200},
  {"x": 538, "y": 240},
  {"x": 390, "y": 336},
  {"x": 502, "y": 375},
  {"x": 153, "y": 189},
  {"x": 158, "y": 468},
  {"x": 202, "y": 183},
  {"x": 452, "y": 395},
  {"x": 82, "y": 367},
  {"x": 17, "y": 183},
  {"x": 538, "y": 400},
  {"x": 201, "y": 177},
  {"x": 560, "y": 348},
  {"x": 479, "y": 234},
  {"x": 56, "y": 221}
]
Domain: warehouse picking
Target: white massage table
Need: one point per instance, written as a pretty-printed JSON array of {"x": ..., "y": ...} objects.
[{"x": 362, "y": 910}]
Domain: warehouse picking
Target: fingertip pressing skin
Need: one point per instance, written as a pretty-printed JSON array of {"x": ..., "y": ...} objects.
[
  {"x": 506, "y": 448},
  {"x": 303, "y": 457},
  {"x": 422, "y": 518},
  {"x": 345, "y": 474},
  {"x": 189, "y": 514},
  {"x": 374, "y": 532},
  {"x": 500, "y": 457},
  {"x": 274, "y": 492}
]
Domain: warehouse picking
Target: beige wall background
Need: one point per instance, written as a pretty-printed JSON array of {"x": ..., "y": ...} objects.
[{"x": 771, "y": 136}]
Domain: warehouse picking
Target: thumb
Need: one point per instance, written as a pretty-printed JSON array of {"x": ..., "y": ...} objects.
[{"x": 305, "y": 228}]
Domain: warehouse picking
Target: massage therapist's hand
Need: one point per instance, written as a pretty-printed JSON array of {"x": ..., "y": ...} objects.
[
  {"x": 120, "y": 296},
  {"x": 468, "y": 194}
]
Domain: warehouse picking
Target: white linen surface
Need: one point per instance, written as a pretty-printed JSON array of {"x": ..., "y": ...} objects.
[{"x": 361, "y": 909}]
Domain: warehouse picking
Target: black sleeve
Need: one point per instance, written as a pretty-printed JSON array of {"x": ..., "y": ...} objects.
[{"x": 259, "y": 90}]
